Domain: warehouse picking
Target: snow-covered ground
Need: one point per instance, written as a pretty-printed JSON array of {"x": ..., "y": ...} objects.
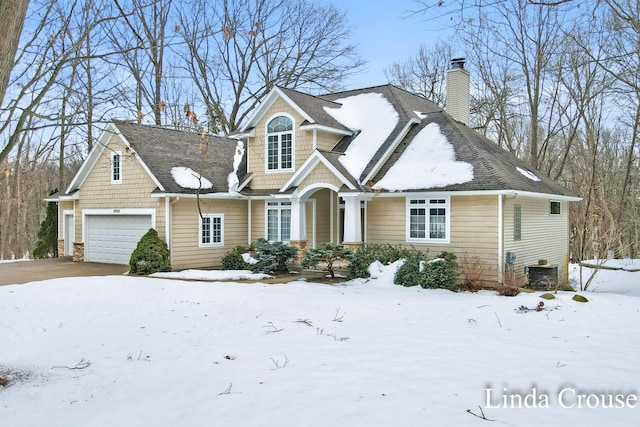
[
  {"x": 6, "y": 261},
  {"x": 175, "y": 353}
]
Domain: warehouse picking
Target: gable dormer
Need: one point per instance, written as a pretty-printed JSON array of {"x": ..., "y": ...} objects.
[{"x": 283, "y": 133}]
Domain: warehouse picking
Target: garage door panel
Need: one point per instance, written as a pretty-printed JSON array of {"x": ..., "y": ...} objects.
[{"x": 112, "y": 238}]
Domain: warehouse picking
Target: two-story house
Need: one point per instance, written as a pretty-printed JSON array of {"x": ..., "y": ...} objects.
[{"x": 373, "y": 165}]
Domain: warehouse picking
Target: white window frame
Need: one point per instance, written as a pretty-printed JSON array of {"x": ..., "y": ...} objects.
[
  {"x": 429, "y": 202},
  {"x": 211, "y": 243},
  {"x": 115, "y": 154},
  {"x": 279, "y": 169},
  {"x": 551, "y": 202},
  {"x": 279, "y": 207}
]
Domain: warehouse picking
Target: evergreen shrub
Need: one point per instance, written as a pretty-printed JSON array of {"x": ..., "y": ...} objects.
[{"x": 150, "y": 256}]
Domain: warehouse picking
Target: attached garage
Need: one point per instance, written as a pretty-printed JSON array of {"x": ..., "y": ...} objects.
[{"x": 112, "y": 238}]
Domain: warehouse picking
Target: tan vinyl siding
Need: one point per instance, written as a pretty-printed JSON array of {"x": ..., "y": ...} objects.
[
  {"x": 323, "y": 212},
  {"x": 97, "y": 191},
  {"x": 303, "y": 146},
  {"x": 257, "y": 220},
  {"x": 543, "y": 236},
  {"x": 185, "y": 252},
  {"x": 326, "y": 141},
  {"x": 474, "y": 228},
  {"x": 319, "y": 174}
]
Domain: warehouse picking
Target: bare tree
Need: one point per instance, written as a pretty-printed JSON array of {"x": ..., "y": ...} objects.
[
  {"x": 424, "y": 74},
  {"x": 12, "y": 14},
  {"x": 238, "y": 50},
  {"x": 141, "y": 39}
]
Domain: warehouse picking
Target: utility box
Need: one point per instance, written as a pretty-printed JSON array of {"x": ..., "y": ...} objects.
[{"x": 543, "y": 277}]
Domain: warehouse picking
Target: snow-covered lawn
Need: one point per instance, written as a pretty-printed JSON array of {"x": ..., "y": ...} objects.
[
  {"x": 6, "y": 261},
  {"x": 159, "y": 352}
]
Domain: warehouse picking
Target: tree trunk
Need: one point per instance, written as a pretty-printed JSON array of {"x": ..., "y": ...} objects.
[{"x": 12, "y": 13}]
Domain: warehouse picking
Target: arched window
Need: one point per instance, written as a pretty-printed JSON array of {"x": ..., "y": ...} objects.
[{"x": 280, "y": 144}]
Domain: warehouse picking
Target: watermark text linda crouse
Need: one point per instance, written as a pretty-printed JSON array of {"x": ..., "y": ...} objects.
[{"x": 567, "y": 397}]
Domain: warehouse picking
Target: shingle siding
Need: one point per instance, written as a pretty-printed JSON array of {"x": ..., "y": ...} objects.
[{"x": 97, "y": 191}]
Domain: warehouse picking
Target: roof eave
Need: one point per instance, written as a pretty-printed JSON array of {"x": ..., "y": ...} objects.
[{"x": 328, "y": 129}]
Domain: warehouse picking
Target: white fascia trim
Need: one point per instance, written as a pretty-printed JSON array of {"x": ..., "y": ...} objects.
[
  {"x": 268, "y": 102},
  {"x": 144, "y": 166},
  {"x": 116, "y": 211},
  {"x": 391, "y": 149},
  {"x": 202, "y": 196},
  {"x": 109, "y": 131},
  {"x": 328, "y": 129},
  {"x": 246, "y": 181},
  {"x": 308, "y": 166},
  {"x": 513, "y": 193},
  {"x": 93, "y": 156},
  {"x": 74, "y": 196},
  {"x": 241, "y": 135}
]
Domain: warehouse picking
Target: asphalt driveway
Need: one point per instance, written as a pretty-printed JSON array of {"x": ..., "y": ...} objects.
[{"x": 43, "y": 269}]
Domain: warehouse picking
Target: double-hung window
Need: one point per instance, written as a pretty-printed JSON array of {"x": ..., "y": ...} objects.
[
  {"x": 428, "y": 219},
  {"x": 211, "y": 230},
  {"x": 278, "y": 221},
  {"x": 280, "y": 144},
  {"x": 116, "y": 167}
]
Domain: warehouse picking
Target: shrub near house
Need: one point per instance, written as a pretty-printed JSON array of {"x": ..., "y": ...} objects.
[{"x": 150, "y": 256}]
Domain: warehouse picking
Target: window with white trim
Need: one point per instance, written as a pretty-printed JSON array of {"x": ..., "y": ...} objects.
[
  {"x": 116, "y": 167},
  {"x": 279, "y": 156},
  {"x": 211, "y": 231},
  {"x": 428, "y": 219},
  {"x": 278, "y": 221}
]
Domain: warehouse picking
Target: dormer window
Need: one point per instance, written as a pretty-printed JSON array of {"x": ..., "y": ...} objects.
[
  {"x": 279, "y": 156},
  {"x": 116, "y": 167}
]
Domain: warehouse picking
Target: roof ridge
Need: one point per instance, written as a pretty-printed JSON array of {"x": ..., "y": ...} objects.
[
  {"x": 167, "y": 128},
  {"x": 319, "y": 97}
]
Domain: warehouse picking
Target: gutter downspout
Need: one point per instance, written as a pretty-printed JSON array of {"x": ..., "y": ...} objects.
[
  {"x": 249, "y": 225},
  {"x": 167, "y": 223},
  {"x": 500, "y": 238}
]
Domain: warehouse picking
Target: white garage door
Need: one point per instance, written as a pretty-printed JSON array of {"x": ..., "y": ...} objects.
[{"x": 112, "y": 238}]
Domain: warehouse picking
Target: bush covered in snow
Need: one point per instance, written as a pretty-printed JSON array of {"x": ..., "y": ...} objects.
[
  {"x": 409, "y": 273},
  {"x": 233, "y": 260},
  {"x": 438, "y": 273},
  {"x": 367, "y": 254},
  {"x": 150, "y": 256},
  {"x": 272, "y": 257}
]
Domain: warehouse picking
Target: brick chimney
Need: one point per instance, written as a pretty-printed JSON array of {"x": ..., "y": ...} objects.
[{"x": 458, "y": 91}]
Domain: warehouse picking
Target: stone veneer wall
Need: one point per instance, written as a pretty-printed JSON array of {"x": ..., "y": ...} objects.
[{"x": 78, "y": 252}]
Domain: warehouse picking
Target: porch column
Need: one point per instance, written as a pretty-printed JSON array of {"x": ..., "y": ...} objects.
[
  {"x": 298, "y": 236},
  {"x": 352, "y": 219}
]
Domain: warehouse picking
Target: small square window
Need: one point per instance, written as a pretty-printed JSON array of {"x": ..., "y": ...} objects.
[{"x": 554, "y": 208}]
